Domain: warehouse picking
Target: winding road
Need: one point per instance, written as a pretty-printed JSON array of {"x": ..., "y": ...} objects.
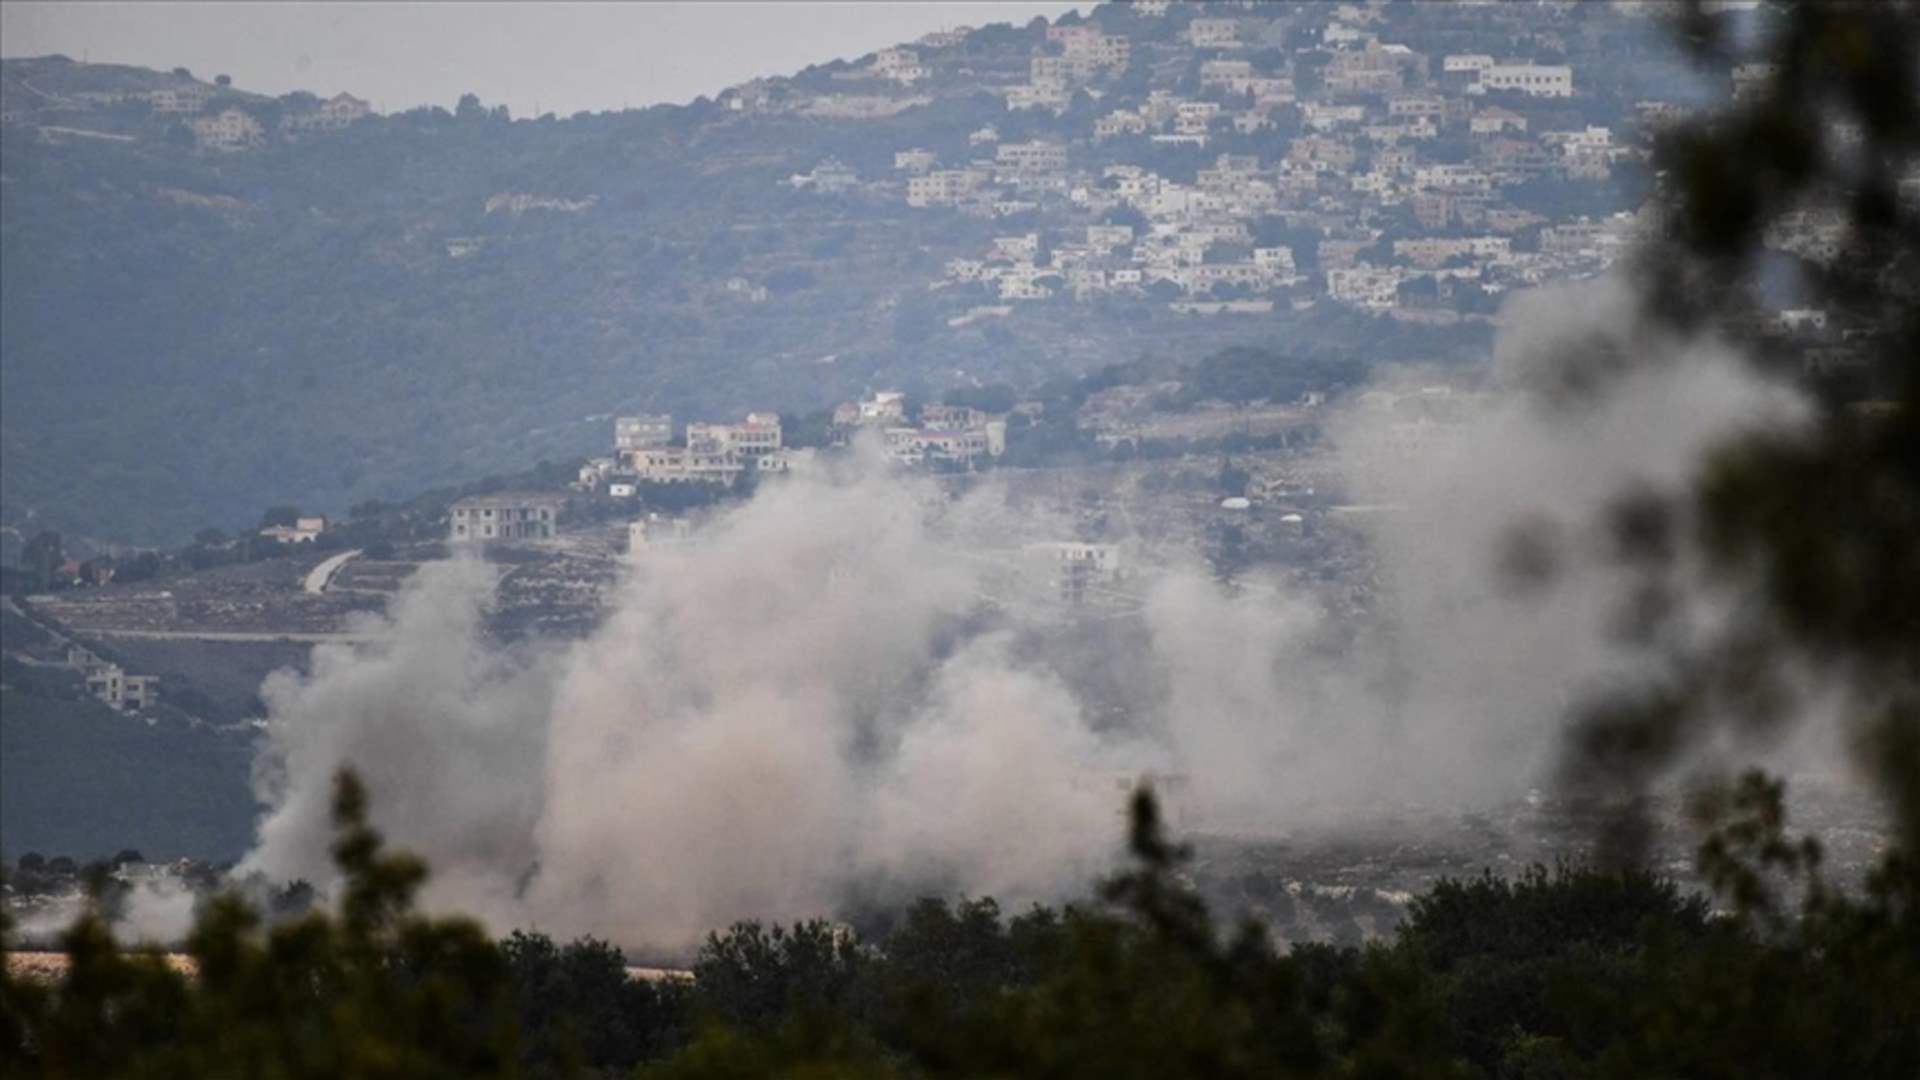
[{"x": 321, "y": 576}]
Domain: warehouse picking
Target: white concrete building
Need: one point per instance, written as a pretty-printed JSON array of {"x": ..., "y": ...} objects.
[
  {"x": 1214, "y": 33},
  {"x": 1119, "y": 122},
  {"x": 1494, "y": 120},
  {"x": 1022, "y": 248},
  {"x": 1276, "y": 260},
  {"x": 703, "y": 464},
  {"x": 759, "y": 434},
  {"x": 1036, "y": 156},
  {"x": 1231, "y": 75},
  {"x": 900, "y": 65},
  {"x": 190, "y": 98},
  {"x": 884, "y": 407},
  {"x": 1091, "y": 44},
  {"x": 330, "y": 115},
  {"x": 229, "y": 129},
  {"x": 122, "y": 691},
  {"x": 303, "y": 530},
  {"x": 1534, "y": 80},
  {"x": 915, "y": 160},
  {"x": 1043, "y": 94},
  {"x": 913, "y": 446},
  {"x": 1373, "y": 287},
  {"x": 943, "y": 187},
  {"x": 1469, "y": 63},
  {"x": 507, "y": 516}
]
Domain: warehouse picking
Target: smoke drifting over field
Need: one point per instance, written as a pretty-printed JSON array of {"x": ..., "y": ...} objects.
[{"x": 812, "y": 701}]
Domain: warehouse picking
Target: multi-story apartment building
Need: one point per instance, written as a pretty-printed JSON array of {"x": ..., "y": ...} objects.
[
  {"x": 1214, "y": 33},
  {"x": 507, "y": 516},
  {"x": 900, "y": 65},
  {"x": 1036, "y": 156},
  {"x": 943, "y": 187},
  {"x": 759, "y": 434},
  {"x": 1534, "y": 80},
  {"x": 705, "y": 463},
  {"x": 1119, "y": 122},
  {"x": 229, "y": 129},
  {"x": 122, "y": 691},
  {"x": 1374, "y": 287},
  {"x": 330, "y": 115}
]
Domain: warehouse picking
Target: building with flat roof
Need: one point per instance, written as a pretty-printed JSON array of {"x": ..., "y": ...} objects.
[
  {"x": 506, "y": 516},
  {"x": 120, "y": 690},
  {"x": 1536, "y": 80}
]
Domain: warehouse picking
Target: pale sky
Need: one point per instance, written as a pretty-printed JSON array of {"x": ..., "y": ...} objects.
[{"x": 559, "y": 56}]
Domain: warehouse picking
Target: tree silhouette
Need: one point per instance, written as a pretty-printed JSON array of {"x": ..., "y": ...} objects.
[{"x": 1811, "y": 533}]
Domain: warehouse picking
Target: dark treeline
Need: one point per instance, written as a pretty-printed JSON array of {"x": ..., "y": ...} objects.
[{"x": 1569, "y": 973}]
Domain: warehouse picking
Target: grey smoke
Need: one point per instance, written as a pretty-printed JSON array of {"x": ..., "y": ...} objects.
[
  {"x": 813, "y": 698},
  {"x": 155, "y": 910},
  {"x": 448, "y": 732}
]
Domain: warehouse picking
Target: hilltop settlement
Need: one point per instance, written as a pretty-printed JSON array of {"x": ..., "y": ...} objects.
[{"x": 1349, "y": 185}]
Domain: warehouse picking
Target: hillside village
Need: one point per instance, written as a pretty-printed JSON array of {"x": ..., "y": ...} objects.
[
  {"x": 1354, "y": 184},
  {"x": 1362, "y": 160},
  {"x": 1410, "y": 177},
  {"x": 647, "y": 449},
  {"x": 1387, "y": 175},
  {"x": 214, "y": 116},
  {"x": 1373, "y": 139}
]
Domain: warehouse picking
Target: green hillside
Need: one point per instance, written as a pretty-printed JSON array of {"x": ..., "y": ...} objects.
[
  {"x": 422, "y": 298},
  {"x": 77, "y": 778}
]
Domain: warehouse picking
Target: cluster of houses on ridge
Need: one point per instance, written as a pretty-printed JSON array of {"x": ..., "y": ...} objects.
[
  {"x": 1358, "y": 158},
  {"x": 947, "y": 434},
  {"x": 646, "y": 449},
  {"x": 1390, "y": 177},
  {"x": 217, "y": 117},
  {"x": 649, "y": 450},
  {"x": 234, "y": 128}
]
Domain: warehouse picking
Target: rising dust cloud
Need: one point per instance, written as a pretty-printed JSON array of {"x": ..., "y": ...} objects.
[{"x": 812, "y": 701}]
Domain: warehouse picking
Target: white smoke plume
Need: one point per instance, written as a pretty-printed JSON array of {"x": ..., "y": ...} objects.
[
  {"x": 449, "y": 732},
  {"x": 789, "y": 706},
  {"x": 157, "y": 912},
  {"x": 812, "y": 699},
  {"x": 1461, "y": 695},
  {"x": 150, "y": 911}
]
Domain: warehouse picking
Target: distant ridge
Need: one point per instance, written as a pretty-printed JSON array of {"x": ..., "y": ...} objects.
[{"x": 217, "y": 300}]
